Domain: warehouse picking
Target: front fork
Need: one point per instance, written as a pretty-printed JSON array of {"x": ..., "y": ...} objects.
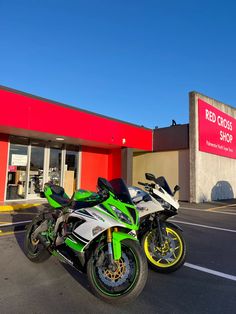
[
  {"x": 161, "y": 231},
  {"x": 114, "y": 239},
  {"x": 110, "y": 248}
]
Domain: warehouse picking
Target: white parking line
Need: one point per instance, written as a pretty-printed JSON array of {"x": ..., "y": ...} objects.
[
  {"x": 208, "y": 211},
  {"x": 202, "y": 226},
  {"x": 210, "y": 271},
  {"x": 15, "y": 223}
]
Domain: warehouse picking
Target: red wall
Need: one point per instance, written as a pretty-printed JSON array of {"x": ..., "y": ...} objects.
[
  {"x": 97, "y": 162},
  {"x": 25, "y": 112},
  {"x": 114, "y": 164},
  {"x": 45, "y": 119},
  {"x": 3, "y": 163}
]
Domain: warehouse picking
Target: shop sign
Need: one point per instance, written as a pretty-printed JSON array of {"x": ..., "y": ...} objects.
[
  {"x": 217, "y": 131},
  {"x": 19, "y": 160},
  {"x": 12, "y": 168}
]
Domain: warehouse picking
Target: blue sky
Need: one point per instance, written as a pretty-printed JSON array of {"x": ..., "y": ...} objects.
[{"x": 131, "y": 60}]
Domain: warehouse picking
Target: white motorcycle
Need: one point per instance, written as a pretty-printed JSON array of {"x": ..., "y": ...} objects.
[{"x": 162, "y": 241}]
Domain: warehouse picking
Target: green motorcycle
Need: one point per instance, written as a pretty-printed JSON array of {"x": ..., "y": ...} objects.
[{"x": 94, "y": 233}]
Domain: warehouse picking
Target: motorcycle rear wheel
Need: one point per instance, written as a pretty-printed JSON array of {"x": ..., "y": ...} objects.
[
  {"x": 168, "y": 258},
  {"x": 126, "y": 282},
  {"x": 33, "y": 249}
]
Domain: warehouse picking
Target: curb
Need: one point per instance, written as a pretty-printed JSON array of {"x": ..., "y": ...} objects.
[{"x": 7, "y": 208}]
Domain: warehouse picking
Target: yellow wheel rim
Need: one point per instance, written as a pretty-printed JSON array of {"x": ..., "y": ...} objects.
[{"x": 167, "y": 255}]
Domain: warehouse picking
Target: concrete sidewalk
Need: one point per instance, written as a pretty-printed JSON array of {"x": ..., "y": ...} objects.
[
  {"x": 209, "y": 205},
  {"x": 20, "y": 205},
  {"x": 15, "y": 216}
]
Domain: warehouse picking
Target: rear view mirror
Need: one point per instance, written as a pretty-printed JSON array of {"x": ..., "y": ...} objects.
[
  {"x": 150, "y": 177},
  {"x": 176, "y": 189}
]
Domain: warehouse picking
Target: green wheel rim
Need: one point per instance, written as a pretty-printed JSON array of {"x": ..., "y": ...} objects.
[{"x": 107, "y": 290}]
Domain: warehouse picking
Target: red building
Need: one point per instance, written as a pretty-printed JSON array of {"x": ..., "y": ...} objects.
[{"x": 42, "y": 140}]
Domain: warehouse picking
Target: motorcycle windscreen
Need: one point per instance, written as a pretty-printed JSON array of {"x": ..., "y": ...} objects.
[
  {"x": 121, "y": 190},
  {"x": 163, "y": 183}
]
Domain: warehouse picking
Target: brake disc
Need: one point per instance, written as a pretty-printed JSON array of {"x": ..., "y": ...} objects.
[{"x": 118, "y": 277}]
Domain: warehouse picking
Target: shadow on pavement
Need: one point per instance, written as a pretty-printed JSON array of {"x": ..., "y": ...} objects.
[
  {"x": 20, "y": 220},
  {"x": 19, "y": 233}
]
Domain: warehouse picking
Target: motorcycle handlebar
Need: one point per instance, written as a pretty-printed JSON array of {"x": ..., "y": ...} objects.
[
  {"x": 141, "y": 183},
  {"x": 147, "y": 186},
  {"x": 104, "y": 194}
]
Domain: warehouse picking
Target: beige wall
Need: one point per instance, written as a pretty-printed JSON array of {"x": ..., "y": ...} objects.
[
  {"x": 212, "y": 177},
  {"x": 173, "y": 165}
]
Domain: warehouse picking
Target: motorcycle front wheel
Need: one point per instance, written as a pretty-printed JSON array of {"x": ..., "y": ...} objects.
[
  {"x": 123, "y": 283},
  {"x": 33, "y": 249},
  {"x": 167, "y": 257}
]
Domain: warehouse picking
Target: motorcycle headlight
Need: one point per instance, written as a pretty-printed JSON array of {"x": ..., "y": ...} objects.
[
  {"x": 166, "y": 205},
  {"x": 123, "y": 217}
]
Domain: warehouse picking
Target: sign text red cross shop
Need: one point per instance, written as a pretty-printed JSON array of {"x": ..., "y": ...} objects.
[{"x": 217, "y": 131}]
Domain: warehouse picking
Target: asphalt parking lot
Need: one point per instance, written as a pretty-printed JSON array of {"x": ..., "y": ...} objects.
[{"x": 205, "y": 284}]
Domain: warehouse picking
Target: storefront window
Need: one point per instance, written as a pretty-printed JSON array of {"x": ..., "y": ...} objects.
[
  {"x": 33, "y": 162},
  {"x": 16, "y": 177},
  {"x": 36, "y": 169},
  {"x": 54, "y": 172}
]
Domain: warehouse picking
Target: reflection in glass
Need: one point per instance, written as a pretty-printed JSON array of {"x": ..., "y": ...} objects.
[
  {"x": 55, "y": 166},
  {"x": 36, "y": 170}
]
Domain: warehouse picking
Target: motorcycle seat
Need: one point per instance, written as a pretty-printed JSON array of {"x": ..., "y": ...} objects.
[{"x": 60, "y": 199}]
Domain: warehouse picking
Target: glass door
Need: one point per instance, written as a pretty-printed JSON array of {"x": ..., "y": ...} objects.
[
  {"x": 17, "y": 169},
  {"x": 54, "y": 172},
  {"x": 36, "y": 170}
]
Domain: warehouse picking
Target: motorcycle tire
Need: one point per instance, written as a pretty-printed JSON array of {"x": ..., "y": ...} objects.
[
  {"x": 168, "y": 258},
  {"x": 126, "y": 282},
  {"x": 33, "y": 249}
]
